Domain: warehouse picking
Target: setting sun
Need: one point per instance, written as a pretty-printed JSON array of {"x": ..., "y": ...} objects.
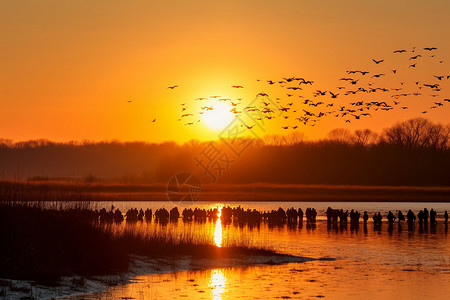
[
  {"x": 221, "y": 150},
  {"x": 218, "y": 115}
]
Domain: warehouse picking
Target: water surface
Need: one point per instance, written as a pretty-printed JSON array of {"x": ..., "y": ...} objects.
[{"x": 390, "y": 263}]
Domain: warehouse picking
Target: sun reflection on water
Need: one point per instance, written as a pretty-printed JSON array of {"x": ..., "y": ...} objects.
[
  {"x": 217, "y": 284},
  {"x": 218, "y": 229}
]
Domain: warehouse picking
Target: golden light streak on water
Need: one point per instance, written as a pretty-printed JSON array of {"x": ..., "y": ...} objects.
[
  {"x": 217, "y": 284},
  {"x": 218, "y": 229}
]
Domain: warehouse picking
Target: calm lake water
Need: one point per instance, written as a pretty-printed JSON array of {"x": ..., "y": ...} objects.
[{"x": 386, "y": 264}]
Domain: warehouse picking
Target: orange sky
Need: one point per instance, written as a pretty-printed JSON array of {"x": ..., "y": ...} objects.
[{"x": 69, "y": 67}]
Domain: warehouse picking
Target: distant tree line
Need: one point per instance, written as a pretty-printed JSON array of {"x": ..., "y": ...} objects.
[{"x": 414, "y": 152}]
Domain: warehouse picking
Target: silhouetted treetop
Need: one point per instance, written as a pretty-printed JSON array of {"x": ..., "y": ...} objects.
[{"x": 414, "y": 152}]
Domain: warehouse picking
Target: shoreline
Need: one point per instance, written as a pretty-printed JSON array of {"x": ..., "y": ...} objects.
[
  {"x": 256, "y": 192},
  {"x": 76, "y": 286}
]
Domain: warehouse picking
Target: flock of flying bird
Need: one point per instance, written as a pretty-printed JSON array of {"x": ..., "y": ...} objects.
[{"x": 353, "y": 98}]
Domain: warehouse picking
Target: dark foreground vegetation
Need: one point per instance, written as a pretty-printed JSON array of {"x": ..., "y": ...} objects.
[
  {"x": 44, "y": 244},
  {"x": 412, "y": 153}
]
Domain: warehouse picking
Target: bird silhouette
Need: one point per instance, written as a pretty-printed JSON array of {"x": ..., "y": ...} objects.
[
  {"x": 334, "y": 96},
  {"x": 172, "y": 87},
  {"x": 432, "y": 86},
  {"x": 359, "y": 109},
  {"x": 377, "y": 75}
]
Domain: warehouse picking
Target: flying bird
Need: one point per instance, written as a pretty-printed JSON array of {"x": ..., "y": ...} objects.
[
  {"x": 172, "y": 87},
  {"x": 333, "y": 95},
  {"x": 377, "y": 61},
  {"x": 377, "y": 75}
]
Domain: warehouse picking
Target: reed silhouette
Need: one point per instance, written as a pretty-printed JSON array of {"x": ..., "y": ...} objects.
[{"x": 44, "y": 242}]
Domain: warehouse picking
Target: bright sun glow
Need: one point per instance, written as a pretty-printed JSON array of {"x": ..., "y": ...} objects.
[
  {"x": 218, "y": 284},
  {"x": 218, "y": 115},
  {"x": 218, "y": 230}
]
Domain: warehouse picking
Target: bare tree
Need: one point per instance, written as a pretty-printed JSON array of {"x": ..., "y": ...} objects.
[
  {"x": 295, "y": 138},
  {"x": 365, "y": 137},
  {"x": 340, "y": 135},
  {"x": 439, "y": 136},
  {"x": 275, "y": 140},
  {"x": 417, "y": 133}
]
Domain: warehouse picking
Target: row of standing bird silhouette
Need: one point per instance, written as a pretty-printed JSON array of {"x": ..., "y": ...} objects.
[{"x": 290, "y": 215}]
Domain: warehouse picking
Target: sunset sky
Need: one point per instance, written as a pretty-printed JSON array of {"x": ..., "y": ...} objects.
[{"x": 69, "y": 68}]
